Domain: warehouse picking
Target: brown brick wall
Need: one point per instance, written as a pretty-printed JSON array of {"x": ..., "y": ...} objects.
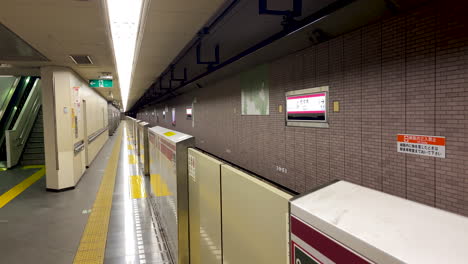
[{"x": 406, "y": 74}]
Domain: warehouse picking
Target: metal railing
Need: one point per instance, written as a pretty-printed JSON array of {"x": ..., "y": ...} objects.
[
  {"x": 17, "y": 137},
  {"x": 96, "y": 134},
  {"x": 79, "y": 146}
]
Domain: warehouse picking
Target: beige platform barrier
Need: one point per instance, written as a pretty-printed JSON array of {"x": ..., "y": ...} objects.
[
  {"x": 143, "y": 149},
  {"x": 204, "y": 208},
  {"x": 169, "y": 181},
  {"x": 255, "y": 225},
  {"x": 135, "y": 131}
]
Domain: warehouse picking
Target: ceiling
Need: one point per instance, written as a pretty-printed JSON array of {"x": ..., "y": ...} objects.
[
  {"x": 265, "y": 38},
  {"x": 166, "y": 27},
  {"x": 57, "y": 29},
  {"x": 51, "y": 30}
]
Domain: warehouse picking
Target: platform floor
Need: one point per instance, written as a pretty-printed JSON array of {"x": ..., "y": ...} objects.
[{"x": 45, "y": 227}]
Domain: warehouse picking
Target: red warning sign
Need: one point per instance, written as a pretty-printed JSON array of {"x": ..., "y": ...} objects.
[{"x": 421, "y": 145}]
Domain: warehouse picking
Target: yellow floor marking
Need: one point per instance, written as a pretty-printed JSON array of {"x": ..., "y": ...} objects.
[
  {"x": 159, "y": 186},
  {"x": 132, "y": 159},
  {"x": 137, "y": 186},
  {"x": 93, "y": 242},
  {"x": 130, "y": 147},
  {"x": 28, "y": 167},
  {"x": 20, "y": 187}
]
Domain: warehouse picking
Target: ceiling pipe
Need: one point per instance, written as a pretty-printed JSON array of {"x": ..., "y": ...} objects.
[
  {"x": 204, "y": 31},
  {"x": 200, "y": 35},
  {"x": 322, "y": 13}
]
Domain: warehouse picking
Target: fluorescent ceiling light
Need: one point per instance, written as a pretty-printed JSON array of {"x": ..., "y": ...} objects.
[{"x": 124, "y": 18}]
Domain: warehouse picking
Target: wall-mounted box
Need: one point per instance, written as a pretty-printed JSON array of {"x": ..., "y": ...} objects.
[{"x": 346, "y": 223}]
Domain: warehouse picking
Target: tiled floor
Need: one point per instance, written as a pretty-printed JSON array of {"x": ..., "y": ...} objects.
[{"x": 45, "y": 227}]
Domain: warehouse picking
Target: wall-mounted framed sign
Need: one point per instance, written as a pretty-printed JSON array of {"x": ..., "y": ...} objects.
[
  {"x": 189, "y": 112},
  {"x": 307, "y": 107}
]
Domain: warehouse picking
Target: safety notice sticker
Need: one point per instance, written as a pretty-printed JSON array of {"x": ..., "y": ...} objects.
[
  {"x": 192, "y": 167},
  {"x": 421, "y": 145}
]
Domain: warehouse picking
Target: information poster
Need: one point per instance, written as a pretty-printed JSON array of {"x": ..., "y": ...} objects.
[
  {"x": 188, "y": 112},
  {"x": 192, "y": 167},
  {"x": 255, "y": 93}
]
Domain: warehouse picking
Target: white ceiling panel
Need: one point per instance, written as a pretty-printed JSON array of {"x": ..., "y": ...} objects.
[{"x": 59, "y": 28}]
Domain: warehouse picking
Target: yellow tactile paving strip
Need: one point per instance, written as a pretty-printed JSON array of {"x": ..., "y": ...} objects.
[
  {"x": 19, "y": 188},
  {"x": 159, "y": 186},
  {"x": 137, "y": 183},
  {"x": 132, "y": 159},
  {"x": 137, "y": 187},
  {"x": 93, "y": 242}
]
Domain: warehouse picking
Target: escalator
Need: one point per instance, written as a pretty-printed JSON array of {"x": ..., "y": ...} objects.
[{"x": 20, "y": 103}]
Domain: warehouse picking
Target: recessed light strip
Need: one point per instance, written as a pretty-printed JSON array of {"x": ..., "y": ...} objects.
[{"x": 124, "y": 18}]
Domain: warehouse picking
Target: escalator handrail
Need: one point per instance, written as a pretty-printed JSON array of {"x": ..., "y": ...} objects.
[
  {"x": 30, "y": 110},
  {"x": 9, "y": 95},
  {"x": 8, "y": 120},
  {"x": 17, "y": 136}
]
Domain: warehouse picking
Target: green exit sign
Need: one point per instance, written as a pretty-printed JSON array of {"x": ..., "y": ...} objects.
[{"x": 100, "y": 83}]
